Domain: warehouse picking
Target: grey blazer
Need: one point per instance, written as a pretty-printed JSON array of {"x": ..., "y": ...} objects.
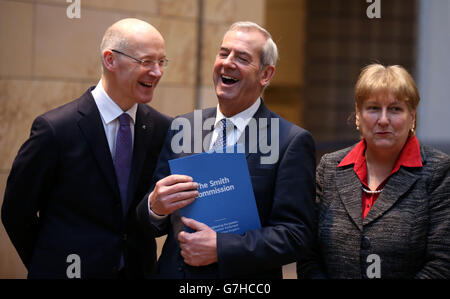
[{"x": 406, "y": 234}]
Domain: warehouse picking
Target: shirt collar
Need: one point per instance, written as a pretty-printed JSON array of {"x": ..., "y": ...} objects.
[
  {"x": 240, "y": 120},
  {"x": 109, "y": 110},
  {"x": 409, "y": 156}
]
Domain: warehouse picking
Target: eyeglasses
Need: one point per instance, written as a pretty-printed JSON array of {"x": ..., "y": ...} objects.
[{"x": 146, "y": 63}]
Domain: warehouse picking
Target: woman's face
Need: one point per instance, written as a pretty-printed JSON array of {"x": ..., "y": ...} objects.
[{"x": 385, "y": 122}]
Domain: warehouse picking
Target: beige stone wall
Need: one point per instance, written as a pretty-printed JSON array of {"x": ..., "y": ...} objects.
[
  {"x": 286, "y": 21},
  {"x": 47, "y": 59}
]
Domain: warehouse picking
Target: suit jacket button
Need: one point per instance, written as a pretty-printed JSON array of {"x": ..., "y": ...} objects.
[
  {"x": 365, "y": 242},
  {"x": 124, "y": 237}
]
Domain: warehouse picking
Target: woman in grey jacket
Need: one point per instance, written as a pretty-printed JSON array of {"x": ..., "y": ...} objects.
[{"x": 384, "y": 203}]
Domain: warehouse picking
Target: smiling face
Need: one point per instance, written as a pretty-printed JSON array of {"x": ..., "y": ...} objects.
[
  {"x": 237, "y": 74},
  {"x": 128, "y": 82},
  {"x": 385, "y": 122},
  {"x": 135, "y": 82}
]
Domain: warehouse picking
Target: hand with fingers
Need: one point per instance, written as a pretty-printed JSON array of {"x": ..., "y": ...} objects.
[
  {"x": 200, "y": 247},
  {"x": 172, "y": 193}
]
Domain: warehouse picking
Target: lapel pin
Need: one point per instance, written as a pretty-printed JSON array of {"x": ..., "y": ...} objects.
[{"x": 144, "y": 127}]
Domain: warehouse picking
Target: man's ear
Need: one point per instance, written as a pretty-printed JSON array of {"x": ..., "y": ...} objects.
[
  {"x": 109, "y": 60},
  {"x": 267, "y": 74}
]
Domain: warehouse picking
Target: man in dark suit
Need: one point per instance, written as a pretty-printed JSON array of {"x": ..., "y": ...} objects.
[
  {"x": 282, "y": 178},
  {"x": 71, "y": 196}
]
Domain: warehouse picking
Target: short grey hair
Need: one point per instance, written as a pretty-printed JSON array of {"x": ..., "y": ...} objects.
[
  {"x": 113, "y": 39},
  {"x": 269, "y": 54}
]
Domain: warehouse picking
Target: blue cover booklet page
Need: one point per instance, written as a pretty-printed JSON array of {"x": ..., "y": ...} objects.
[{"x": 226, "y": 202}]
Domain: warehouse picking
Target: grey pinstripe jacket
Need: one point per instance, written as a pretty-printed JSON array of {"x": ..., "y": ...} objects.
[{"x": 407, "y": 231}]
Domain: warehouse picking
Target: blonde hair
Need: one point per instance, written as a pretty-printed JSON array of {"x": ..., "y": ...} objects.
[{"x": 394, "y": 79}]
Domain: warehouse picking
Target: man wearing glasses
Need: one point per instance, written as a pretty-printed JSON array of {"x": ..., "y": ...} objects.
[{"x": 70, "y": 200}]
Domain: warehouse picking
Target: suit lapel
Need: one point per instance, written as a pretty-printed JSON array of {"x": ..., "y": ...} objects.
[
  {"x": 91, "y": 126},
  {"x": 399, "y": 183},
  {"x": 349, "y": 190},
  {"x": 207, "y": 132},
  {"x": 143, "y": 131}
]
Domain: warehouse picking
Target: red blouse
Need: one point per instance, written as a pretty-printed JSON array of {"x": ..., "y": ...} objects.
[{"x": 409, "y": 157}]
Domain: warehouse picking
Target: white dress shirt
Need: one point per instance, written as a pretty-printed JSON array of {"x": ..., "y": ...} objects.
[
  {"x": 240, "y": 121},
  {"x": 109, "y": 112}
]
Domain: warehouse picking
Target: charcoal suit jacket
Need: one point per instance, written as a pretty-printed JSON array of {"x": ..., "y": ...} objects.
[{"x": 62, "y": 198}]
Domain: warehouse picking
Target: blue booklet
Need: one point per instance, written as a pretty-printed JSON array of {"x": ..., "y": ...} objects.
[{"x": 226, "y": 202}]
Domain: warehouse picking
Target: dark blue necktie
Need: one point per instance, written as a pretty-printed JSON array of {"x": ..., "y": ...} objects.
[{"x": 122, "y": 159}]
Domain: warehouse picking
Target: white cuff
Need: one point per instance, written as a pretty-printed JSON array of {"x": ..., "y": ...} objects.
[{"x": 152, "y": 214}]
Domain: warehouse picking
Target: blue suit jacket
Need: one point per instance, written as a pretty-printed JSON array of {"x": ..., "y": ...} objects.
[
  {"x": 284, "y": 193},
  {"x": 62, "y": 196}
]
